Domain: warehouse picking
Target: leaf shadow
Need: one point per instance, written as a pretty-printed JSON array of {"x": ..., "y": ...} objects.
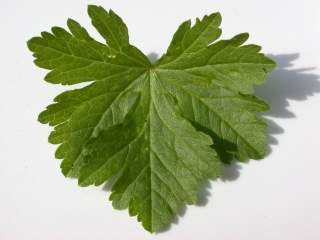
[{"x": 284, "y": 84}]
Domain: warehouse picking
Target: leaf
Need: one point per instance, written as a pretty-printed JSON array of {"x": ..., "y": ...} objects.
[{"x": 160, "y": 129}]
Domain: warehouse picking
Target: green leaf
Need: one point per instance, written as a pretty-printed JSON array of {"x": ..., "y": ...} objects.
[{"x": 159, "y": 129}]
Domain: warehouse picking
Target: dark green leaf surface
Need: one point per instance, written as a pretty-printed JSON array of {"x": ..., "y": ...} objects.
[{"x": 160, "y": 129}]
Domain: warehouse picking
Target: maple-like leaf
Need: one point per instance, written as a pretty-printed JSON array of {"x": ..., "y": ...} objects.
[{"x": 159, "y": 129}]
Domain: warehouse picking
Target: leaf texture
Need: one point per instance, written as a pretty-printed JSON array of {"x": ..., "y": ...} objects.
[{"x": 159, "y": 129}]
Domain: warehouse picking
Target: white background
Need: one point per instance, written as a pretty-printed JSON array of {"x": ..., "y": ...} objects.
[{"x": 275, "y": 198}]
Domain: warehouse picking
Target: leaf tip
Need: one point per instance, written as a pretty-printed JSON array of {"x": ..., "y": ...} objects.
[
  {"x": 31, "y": 43},
  {"x": 216, "y": 17},
  {"x": 240, "y": 39},
  {"x": 71, "y": 22},
  {"x": 41, "y": 118},
  {"x": 93, "y": 9}
]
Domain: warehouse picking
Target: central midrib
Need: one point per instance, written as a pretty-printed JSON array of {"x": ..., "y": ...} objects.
[{"x": 151, "y": 85}]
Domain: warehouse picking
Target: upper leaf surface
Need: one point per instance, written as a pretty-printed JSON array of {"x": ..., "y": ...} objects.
[
  {"x": 110, "y": 26},
  {"x": 213, "y": 85},
  {"x": 159, "y": 130}
]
